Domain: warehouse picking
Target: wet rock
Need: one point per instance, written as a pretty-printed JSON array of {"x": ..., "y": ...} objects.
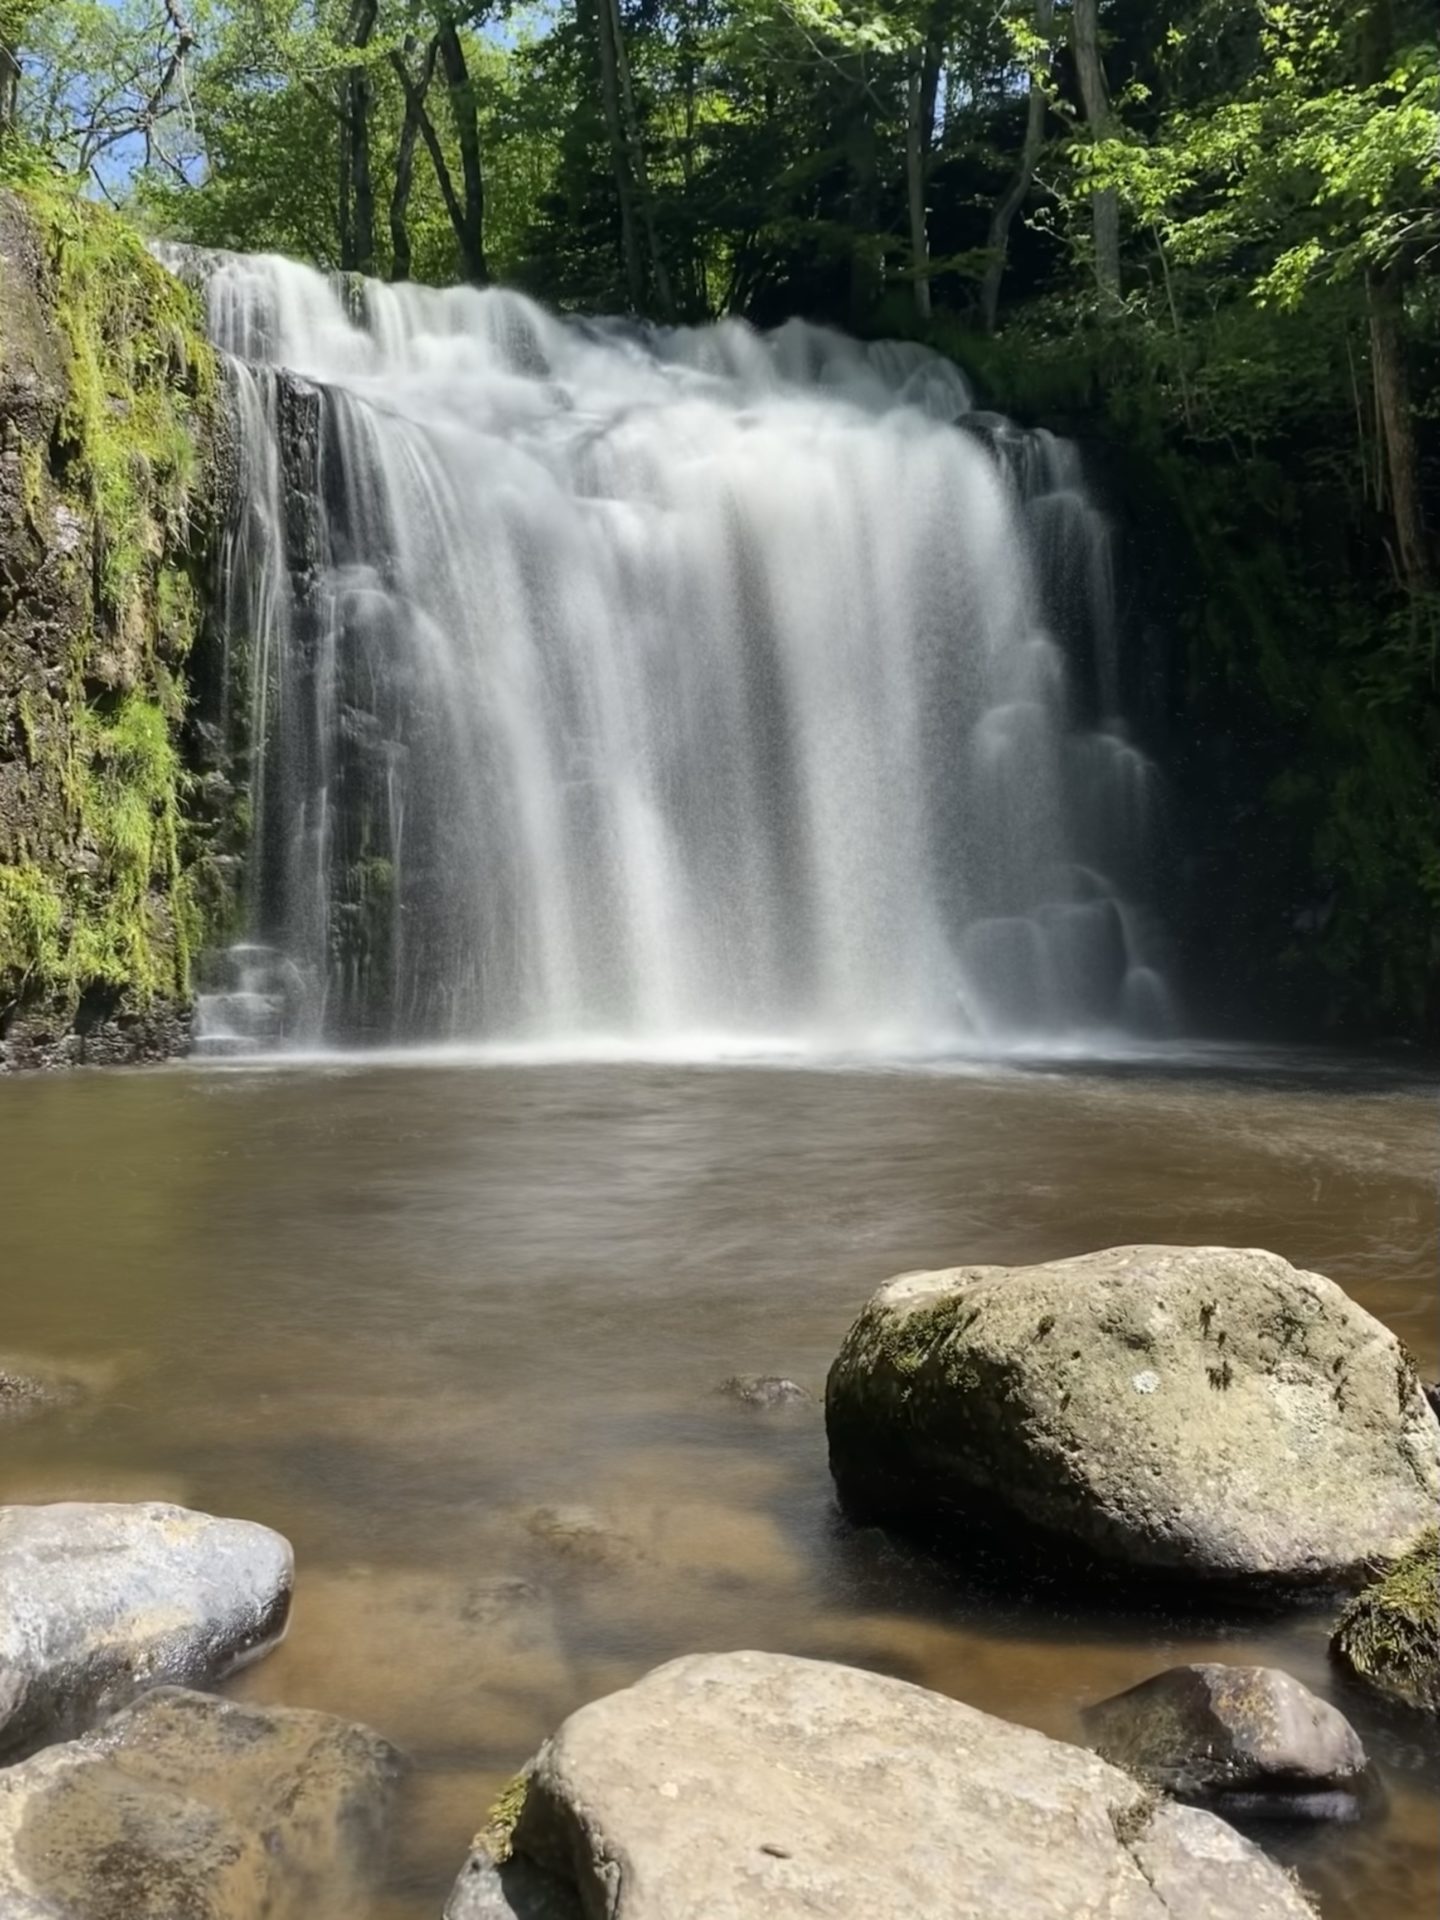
[
  {"x": 1431, "y": 1391},
  {"x": 764, "y": 1390},
  {"x": 1207, "y": 1411},
  {"x": 1246, "y": 1740},
  {"x": 186, "y": 1805},
  {"x": 1389, "y": 1635},
  {"x": 752, "y": 1786},
  {"x": 514, "y": 1890},
  {"x": 98, "y": 1602}
]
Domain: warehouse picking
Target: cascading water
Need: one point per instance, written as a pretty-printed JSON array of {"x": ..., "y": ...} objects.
[{"x": 670, "y": 689}]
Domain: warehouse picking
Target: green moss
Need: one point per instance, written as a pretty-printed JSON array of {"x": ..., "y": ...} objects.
[
  {"x": 32, "y": 914},
  {"x": 101, "y": 893},
  {"x": 141, "y": 379},
  {"x": 497, "y": 1836},
  {"x": 1389, "y": 1635}
]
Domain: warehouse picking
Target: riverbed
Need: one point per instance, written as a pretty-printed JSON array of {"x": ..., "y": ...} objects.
[{"x": 457, "y": 1328}]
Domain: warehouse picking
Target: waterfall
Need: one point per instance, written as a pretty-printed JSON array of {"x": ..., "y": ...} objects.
[{"x": 691, "y": 688}]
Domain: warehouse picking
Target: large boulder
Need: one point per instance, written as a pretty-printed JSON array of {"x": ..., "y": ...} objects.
[
  {"x": 1244, "y": 1740},
  {"x": 100, "y": 1601},
  {"x": 185, "y": 1805},
  {"x": 755, "y": 1786},
  {"x": 1389, "y": 1635},
  {"x": 1206, "y": 1411}
]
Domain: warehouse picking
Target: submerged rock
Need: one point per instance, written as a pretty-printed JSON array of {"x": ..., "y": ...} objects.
[
  {"x": 98, "y": 1602},
  {"x": 1241, "y": 1739},
  {"x": 1208, "y": 1411},
  {"x": 754, "y": 1786},
  {"x": 764, "y": 1390},
  {"x": 1389, "y": 1635},
  {"x": 28, "y": 1390},
  {"x": 185, "y": 1805}
]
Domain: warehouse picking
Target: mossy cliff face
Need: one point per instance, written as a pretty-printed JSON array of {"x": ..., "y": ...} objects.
[{"x": 109, "y": 426}]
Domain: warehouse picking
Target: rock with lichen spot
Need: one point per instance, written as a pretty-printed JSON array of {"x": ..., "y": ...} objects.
[
  {"x": 1247, "y": 1740},
  {"x": 184, "y": 1804},
  {"x": 1389, "y": 1635},
  {"x": 99, "y": 1601},
  {"x": 1211, "y": 1412},
  {"x": 758, "y": 1786}
]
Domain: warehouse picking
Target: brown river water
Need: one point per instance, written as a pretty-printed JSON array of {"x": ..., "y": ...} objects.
[{"x": 457, "y": 1329}]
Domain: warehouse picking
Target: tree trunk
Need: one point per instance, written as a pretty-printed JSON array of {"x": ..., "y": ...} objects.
[
  {"x": 1414, "y": 552},
  {"x": 1105, "y": 206},
  {"x": 640, "y": 183},
  {"x": 401, "y": 257},
  {"x": 862, "y": 164},
  {"x": 630, "y": 254},
  {"x": 915, "y": 145},
  {"x": 16, "y": 24},
  {"x": 471, "y": 232},
  {"x": 1018, "y": 188},
  {"x": 357, "y": 188}
]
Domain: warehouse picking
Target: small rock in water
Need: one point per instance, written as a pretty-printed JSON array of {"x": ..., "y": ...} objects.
[
  {"x": 1243, "y": 1740},
  {"x": 764, "y": 1390},
  {"x": 185, "y": 1805},
  {"x": 756, "y": 1786},
  {"x": 98, "y": 1602}
]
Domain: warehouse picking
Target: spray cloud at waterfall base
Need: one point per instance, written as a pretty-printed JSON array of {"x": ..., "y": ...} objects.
[{"x": 692, "y": 691}]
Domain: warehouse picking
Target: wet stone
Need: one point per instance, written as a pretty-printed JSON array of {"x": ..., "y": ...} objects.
[
  {"x": 186, "y": 1807},
  {"x": 1244, "y": 1740},
  {"x": 99, "y": 1601}
]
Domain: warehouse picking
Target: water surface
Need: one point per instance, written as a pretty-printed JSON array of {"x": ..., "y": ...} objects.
[{"x": 457, "y": 1330}]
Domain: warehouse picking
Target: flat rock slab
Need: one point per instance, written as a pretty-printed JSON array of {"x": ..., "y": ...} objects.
[
  {"x": 186, "y": 1807},
  {"x": 754, "y": 1786},
  {"x": 98, "y": 1602},
  {"x": 1237, "y": 1738},
  {"x": 1206, "y": 1411}
]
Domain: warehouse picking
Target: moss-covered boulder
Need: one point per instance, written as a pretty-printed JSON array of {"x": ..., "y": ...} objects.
[
  {"x": 109, "y": 428},
  {"x": 1202, "y": 1411},
  {"x": 1389, "y": 1635}
]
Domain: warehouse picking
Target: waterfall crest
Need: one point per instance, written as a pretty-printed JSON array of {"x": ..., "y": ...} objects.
[{"x": 687, "y": 688}]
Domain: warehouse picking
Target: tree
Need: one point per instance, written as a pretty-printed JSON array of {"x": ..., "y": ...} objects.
[
  {"x": 1034, "y": 46},
  {"x": 1095, "y": 96}
]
